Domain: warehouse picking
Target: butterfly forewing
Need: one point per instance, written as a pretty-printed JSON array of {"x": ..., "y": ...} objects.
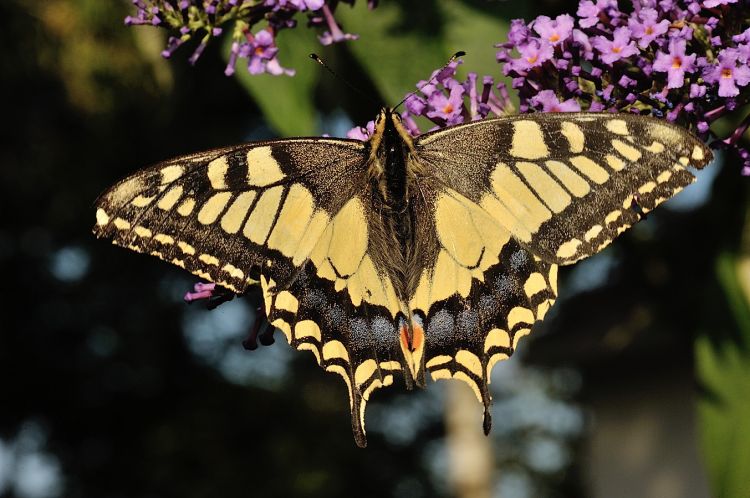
[
  {"x": 226, "y": 214},
  {"x": 565, "y": 185}
]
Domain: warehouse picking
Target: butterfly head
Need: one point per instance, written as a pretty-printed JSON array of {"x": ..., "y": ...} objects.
[{"x": 388, "y": 122}]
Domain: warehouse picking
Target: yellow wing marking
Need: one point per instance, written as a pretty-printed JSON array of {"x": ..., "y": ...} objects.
[
  {"x": 589, "y": 168},
  {"x": 217, "y": 173},
  {"x": 232, "y": 220},
  {"x": 568, "y": 249},
  {"x": 213, "y": 207},
  {"x": 171, "y": 173},
  {"x": 575, "y": 136},
  {"x": 293, "y": 220},
  {"x": 186, "y": 207},
  {"x": 627, "y": 151},
  {"x": 513, "y": 204},
  {"x": 471, "y": 243},
  {"x": 262, "y": 168},
  {"x": 528, "y": 140},
  {"x": 340, "y": 256},
  {"x": 360, "y": 379},
  {"x": 438, "y": 360},
  {"x": 469, "y": 361},
  {"x": 286, "y": 301},
  {"x": 318, "y": 223},
  {"x": 569, "y": 178},
  {"x": 551, "y": 193},
  {"x": 307, "y": 328},
  {"x": 260, "y": 220},
  {"x": 617, "y": 126},
  {"x": 169, "y": 199},
  {"x": 655, "y": 147},
  {"x": 335, "y": 349},
  {"x": 614, "y": 162}
]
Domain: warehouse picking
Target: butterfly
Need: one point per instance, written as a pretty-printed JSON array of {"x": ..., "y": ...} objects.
[{"x": 401, "y": 256}]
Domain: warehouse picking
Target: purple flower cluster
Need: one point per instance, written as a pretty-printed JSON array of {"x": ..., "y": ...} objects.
[
  {"x": 444, "y": 101},
  {"x": 684, "y": 60},
  {"x": 206, "y": 19}
]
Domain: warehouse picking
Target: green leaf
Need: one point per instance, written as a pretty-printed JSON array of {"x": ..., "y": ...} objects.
[
  {"x": 475, "y": 32},
  {"x": 287, "y": 101},
  {"x": 401, "y": 43},
  {"x": 723, "y": 370},
  {"x": 397, "y": 47}
]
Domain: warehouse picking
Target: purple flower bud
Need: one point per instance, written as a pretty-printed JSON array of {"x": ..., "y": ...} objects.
[
  {"x": 582, "y": 40},
  {"x": 625, "y": 81},
  {"x": 548, "y": 102},
  {"x": 362, "y": 133},
  {"x": 518, "y": 33},
  {"x": 415, "y": 104},
  {"x": 200, "y": 291},
  {"x": 410, "y": 124},
  {"x": 334, "y": 33},
  {"x": 197, "y": 53},
  {"x": 743, "y": 37},
  {"x": 710, "y": 4}
]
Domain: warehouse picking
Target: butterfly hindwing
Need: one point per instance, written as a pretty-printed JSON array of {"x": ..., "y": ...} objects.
[
  {"x": 479, "y": 290},
  {"x": 565, "y": 185},
  {"x": 357, "y": 342},
  {"x": 342, "y": 306}
]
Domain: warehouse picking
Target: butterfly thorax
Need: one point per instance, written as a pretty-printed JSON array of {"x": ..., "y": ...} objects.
[{"x": 391, "y": 147}]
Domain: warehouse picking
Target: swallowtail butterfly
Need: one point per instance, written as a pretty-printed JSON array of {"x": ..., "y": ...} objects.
[{"x": 404, "y": 255}]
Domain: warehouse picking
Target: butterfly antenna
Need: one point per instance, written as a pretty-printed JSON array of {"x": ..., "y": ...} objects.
[
  {"x": 336, "y": 76},
  {"x": 455, "y": 56}
]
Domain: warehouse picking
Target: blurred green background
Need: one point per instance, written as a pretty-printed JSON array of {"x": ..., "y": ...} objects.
[{"x": 110, "y": 386}]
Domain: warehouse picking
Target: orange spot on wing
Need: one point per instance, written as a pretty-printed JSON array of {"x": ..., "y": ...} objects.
[
  {"x": 417, "y": 338},
  {"x": 405, "y": 342}
]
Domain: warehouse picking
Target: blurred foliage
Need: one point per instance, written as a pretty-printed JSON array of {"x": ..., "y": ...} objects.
[
  {"x": 723, "y": 370},
  {"x": 95, "y": 355}
]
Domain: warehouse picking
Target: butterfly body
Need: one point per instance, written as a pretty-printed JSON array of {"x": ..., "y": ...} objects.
[{"x": 404, "y": 255}]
